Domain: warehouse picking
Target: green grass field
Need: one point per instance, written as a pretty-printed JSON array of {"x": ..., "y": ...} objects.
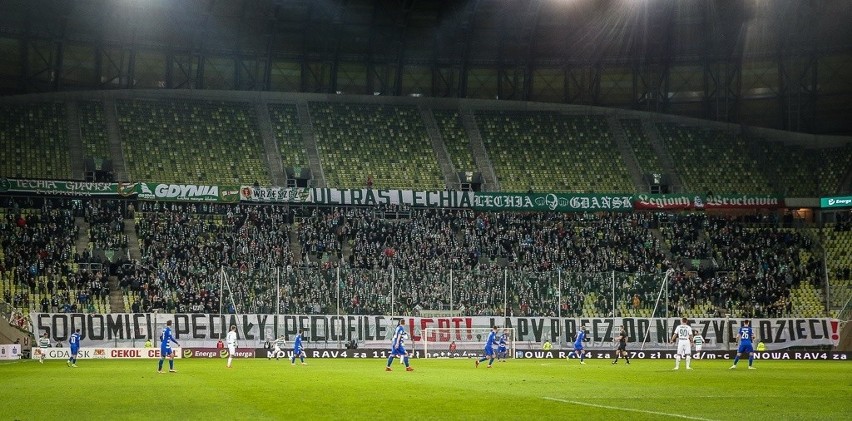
[{"x": 204, "y": 389}]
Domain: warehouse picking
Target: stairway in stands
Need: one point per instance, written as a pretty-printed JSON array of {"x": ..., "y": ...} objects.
[
  {"x": 295, "y": 247},
  {"x": 662, "y": 152},
  {"x": 627, "y": 155},
  {"x": 82, "y": 242},
  {"x": 480, "y": 154},
  {"x": 75, "y": 143},
  {"x": 307, "y": 127},
  {"x": 117, "y": 302},
  {"x": 270, "y": 146},
  {"x": 115, "y": 149},
  {"x": 451, "y": 180}
]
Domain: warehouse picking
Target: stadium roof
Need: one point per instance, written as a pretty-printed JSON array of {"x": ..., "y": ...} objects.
[{"x": 774, "y": 63}]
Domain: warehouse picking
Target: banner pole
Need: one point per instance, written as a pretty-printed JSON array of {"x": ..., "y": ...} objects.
[
  {"x": 337, "y": 288},
  {"x": 505, "y": 293},
  {"x": 221, "y": 290},
  {"x": 559, "y": 302},
  {"x": 613, "y": 294},
  {"x": 277, "y": 291},
  {"x": 656, "y": 305}
]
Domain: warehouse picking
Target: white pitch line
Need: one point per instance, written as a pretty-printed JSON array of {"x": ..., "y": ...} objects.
[{"x": 626, "y": 409}]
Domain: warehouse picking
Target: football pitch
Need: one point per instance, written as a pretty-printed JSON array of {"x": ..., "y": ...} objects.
[{"x": 256, "y": 389}]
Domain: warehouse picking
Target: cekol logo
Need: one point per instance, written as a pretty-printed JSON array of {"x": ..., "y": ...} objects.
[
  {"x": 100, "y": 353},
  {"x": 187, "y": 353},
  {"x": 125, "y": 353}
]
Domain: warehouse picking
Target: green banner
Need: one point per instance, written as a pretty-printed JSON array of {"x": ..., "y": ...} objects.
[
  {"x": 835, "y": 202},
  {"x": 558, "y": 202},
  {"x": 188, "y": 192},
  {"x": 65, "y": 188}
]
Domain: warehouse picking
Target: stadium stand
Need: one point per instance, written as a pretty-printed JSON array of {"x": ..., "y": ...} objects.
[
  {"x": 833, "y": 164},
  {"x": 106, "y": 225},
  {"x": 402, "y": 260},
  {"x": 388, "y": 143},
  {"x": 185, "y": 246},
  {"x": 683, "y": 236},
  {"x": 285, "y": 127},
  {"x": 756, "y": 268},
  {"x": 455, "y": 139},
  {"x": 93, "y": 131},
  {"x": 545, "y": 151},
  {"x": 789, "y": 168},
  {"x": 641, "y": 146},
  {"x": 711, "y": 160},
  {"x": 39, "y": 269},
  {"x": 192, "y": 142},
  {"x": 29, "y": 133},
  {"x": 405, "y": 260},
  {"x": 837, "y": 242}
]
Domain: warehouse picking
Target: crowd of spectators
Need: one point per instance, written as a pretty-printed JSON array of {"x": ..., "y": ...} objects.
[
  {"x": 753, "y": 267},
  {"x": 40, "y": 268},
  {"x": 187, "y": 247},
  {"x": 401, "y": 260},
  {"x": 683, "y": 236},
  {"x": 106, "y": 224}
]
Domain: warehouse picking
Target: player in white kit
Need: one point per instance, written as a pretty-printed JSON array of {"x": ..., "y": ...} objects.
[
  {"x": 683, "y": 334},
  {"x": 231, "y": 340}
]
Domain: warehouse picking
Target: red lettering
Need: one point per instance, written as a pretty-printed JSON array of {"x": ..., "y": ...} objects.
[
  {"x": 125, "y": 353},
  {"x": 445, "y": 334}
]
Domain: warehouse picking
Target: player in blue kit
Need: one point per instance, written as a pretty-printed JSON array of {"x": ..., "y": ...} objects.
[
  {"x": 745, "y": 336},
  {"x": 502, "y": 349},
  {"x": 398, "y": 347},
  {"x": 489, "y": 348},
  {"x": 74, "y": 343},
  {"x": 166, "y": 348},
  {"x": 298, "y": 350},
  {"x": 578, "y": 345}
]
